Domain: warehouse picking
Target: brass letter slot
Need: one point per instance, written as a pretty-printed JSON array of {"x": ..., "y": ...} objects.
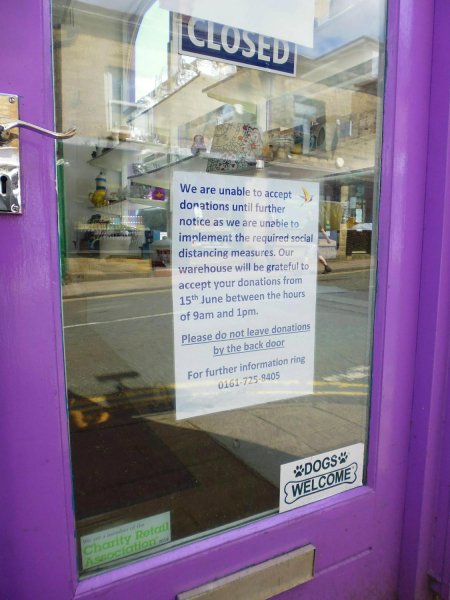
[{"x": 262, "y": 581}]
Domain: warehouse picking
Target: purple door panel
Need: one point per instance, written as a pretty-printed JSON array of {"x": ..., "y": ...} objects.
[
  {"x": 38, "y": 554},
  {"x": 358, "y": 535},
  {"x": 425, "y": 555}
]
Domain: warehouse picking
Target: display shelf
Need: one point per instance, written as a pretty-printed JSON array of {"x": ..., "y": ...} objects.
[
  {"x": 294, "y": 170},
  {"x": 147, "y": 203},
  {"x": 251, "y": 87},
  {"x": 162, "y": 176},
  {"x": 125, "y": 153},
  {"x": 107, "y": 209},
  {"x": 178, "y": 108},
  {"x": 304, "y": 167},
  {"x": 109, "y": 228},
  {"x": 247, "y": 87},
  {"x": 100, "y": 210}
]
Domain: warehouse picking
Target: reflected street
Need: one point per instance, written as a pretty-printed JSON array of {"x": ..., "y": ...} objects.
[{"x": 141, "y": 367}]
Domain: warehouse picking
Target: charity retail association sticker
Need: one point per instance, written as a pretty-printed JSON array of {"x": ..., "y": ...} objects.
[
  {"x": 124, "y": 540},
  {"x": 321, "y": 476}
]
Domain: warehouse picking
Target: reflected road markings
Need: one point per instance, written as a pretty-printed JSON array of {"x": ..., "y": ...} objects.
[{"x": 117, "y": 320}]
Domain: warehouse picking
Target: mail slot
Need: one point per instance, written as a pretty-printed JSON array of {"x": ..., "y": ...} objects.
[{"x": 261, "y": 581}]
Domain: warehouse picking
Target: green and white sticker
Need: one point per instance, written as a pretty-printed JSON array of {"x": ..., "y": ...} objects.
[{"x": 124, "y": 540}]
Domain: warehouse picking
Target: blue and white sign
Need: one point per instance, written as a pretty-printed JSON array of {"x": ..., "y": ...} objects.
[
  {"x": 224, "y": 43},
  {"x": 321, "y": 476},
  {"x": 244, "y": 281}
]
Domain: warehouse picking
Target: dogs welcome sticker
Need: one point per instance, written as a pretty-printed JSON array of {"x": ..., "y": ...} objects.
[{"x": 321, "y": 476}]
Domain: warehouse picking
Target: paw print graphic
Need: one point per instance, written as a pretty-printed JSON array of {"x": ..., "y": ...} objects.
[
  {"x": 343, "y": 457},
  {"x": 298, "y": 471}
]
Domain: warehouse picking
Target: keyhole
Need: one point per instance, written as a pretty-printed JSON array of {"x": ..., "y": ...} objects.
[{"x": 3, "y": 184}]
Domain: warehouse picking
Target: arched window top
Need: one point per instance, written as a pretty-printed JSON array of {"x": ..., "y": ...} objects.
[{"x": 151, "y": 58}]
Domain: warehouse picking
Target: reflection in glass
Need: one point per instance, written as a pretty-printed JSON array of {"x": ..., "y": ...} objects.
[{"x": 144, "y": 111}]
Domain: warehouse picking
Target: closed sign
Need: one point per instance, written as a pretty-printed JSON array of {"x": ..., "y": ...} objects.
[{"x": 223, "y": 43}]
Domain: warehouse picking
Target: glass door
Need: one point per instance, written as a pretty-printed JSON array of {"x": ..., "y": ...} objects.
[
  {"x": 221, "y": 197},
  {"x": 218, "y": 218}
]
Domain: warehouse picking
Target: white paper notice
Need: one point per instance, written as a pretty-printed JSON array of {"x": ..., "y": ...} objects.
[
  {"x": 321, "y": 476},
  {"x": 292, "y": 21},
  {"x": 244, "y": 259}
]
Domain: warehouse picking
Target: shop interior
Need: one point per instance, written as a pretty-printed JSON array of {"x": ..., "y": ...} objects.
[{"x": 144, "y": 111}]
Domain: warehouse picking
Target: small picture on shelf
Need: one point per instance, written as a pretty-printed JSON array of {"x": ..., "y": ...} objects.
[
  {"x": 159, "y": 194},
  {"x": 235, "y": 146}
]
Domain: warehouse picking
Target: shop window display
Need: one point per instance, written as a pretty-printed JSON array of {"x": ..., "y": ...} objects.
[{"x": 145, "y": 112}]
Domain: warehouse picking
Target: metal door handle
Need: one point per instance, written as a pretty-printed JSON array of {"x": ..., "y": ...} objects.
[
  {"x": 5, "y": 131},
  {"x": 10, "y": 188}
]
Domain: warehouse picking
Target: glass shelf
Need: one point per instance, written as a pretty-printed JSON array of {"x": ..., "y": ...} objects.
[
  {"x": 125, "y": 153},
  {"x": 146, "y": 203},
  {"x": 177, "y": 109},
  {"x": 110, "y": 228},
  {"x": 252, "y": 88},
  {"x": 309, "y": 167},
  {"x": 162, "y": 176}
]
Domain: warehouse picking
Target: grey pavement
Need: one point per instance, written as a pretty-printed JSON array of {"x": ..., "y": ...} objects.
[
  {"x": 125, "y": 338},
  {"x": 135, "y": 284}
]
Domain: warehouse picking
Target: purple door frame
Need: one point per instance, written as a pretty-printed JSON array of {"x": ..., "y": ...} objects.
[
  {"x": 358, "y": 535},
  {"x": 426, "y": 536}
]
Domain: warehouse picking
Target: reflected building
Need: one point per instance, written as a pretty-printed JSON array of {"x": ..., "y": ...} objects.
[
  {"x": 322, "y": 125},
  {"x": 145, "y": 111}
]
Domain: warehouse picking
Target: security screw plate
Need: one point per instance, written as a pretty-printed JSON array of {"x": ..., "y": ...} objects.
[{"x": 10, "y": 200}]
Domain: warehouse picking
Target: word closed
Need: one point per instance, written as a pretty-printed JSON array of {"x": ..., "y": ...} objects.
[{"x": 223, "y": 43}]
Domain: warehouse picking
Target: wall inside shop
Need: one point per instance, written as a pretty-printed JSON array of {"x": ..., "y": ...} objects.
[{"x": 90, "y": 58}]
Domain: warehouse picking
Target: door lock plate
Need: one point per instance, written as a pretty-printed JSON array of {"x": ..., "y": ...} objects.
[{"x": 10, "y": 200}]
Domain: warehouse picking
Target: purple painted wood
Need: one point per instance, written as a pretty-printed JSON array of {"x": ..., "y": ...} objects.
[
  {"x": 357, "y": 535},
  {"x": 37, "y": 551},
  {"x": 428, "y": 484},
  {"x": 439, "y": 565}
]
